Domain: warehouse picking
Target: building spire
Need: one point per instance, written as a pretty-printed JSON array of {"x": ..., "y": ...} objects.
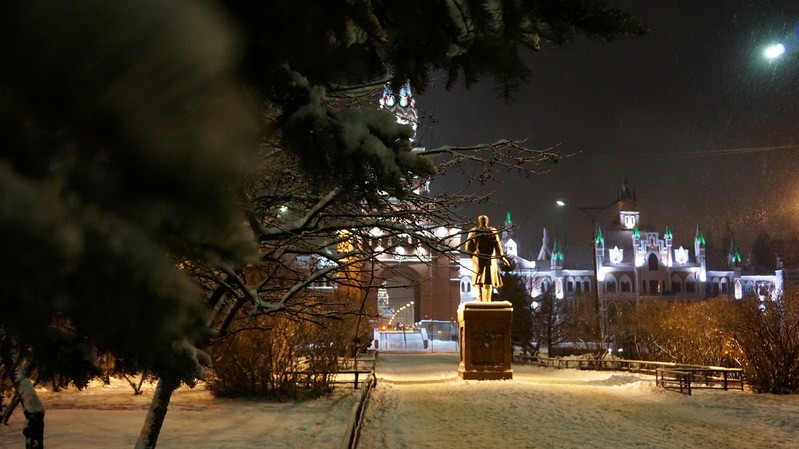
[
  {"x": 733, "y": 254},
  {"x": 545, "y": 253},
  {"x": 700, "y": 237},
  {"x": 557, "y": 255},
  {"x": 626, "y": 198}
]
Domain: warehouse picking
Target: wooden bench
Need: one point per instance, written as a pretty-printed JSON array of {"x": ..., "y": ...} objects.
[
  {"x": 673, "y": 379},
  {"x": 670, "y": 373}
]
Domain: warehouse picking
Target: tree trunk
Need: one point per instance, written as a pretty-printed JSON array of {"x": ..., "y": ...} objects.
[
  {"x": 9, "y": 409},
  {"x": 156, "y": 414},
  {"x": 32, "y": 409}
]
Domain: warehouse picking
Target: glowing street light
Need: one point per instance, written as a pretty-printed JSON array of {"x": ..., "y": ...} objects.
[{"x": 774, "y": 51}]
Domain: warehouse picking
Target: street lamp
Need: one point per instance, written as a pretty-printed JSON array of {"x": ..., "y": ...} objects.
[
  {"x": 592, "y": 212},
  {"x": 774, "y": 51}
]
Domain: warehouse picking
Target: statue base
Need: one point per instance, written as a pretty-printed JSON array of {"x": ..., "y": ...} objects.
[{"x": 486, "y": 349}]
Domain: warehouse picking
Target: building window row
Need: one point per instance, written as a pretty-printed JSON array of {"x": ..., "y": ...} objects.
[
  {"x": 578, "y": 286},
  {"x": 624, "y": 286}
]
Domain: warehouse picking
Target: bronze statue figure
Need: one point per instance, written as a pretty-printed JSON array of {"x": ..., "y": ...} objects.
[{"x": 485, "y": 247}]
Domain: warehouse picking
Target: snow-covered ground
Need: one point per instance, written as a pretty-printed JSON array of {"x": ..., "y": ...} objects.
[
  {"x": 110, "y": 417},
  {"x": 420, "y": 402}
]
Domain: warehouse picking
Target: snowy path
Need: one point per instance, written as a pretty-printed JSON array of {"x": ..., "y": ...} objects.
[{"x": 421, "y": 403}]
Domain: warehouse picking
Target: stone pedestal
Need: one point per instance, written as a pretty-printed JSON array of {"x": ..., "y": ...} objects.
[{"x": 484, "y": 329}]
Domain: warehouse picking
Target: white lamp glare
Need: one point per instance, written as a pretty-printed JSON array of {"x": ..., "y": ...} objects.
[{"x": 774, "y": 51}]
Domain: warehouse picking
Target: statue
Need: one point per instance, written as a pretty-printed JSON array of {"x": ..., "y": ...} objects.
[{"x": 486, "y": 249}]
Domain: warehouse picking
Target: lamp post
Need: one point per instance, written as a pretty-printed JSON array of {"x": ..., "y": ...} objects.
[{"x": 592, "y": 212}]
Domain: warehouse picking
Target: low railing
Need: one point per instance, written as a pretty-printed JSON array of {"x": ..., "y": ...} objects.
[
  {"x": 672, "y": 379},
  {"x": 347, "y": 371},
  {"x": 355, "y": 423},
  {"x": 715, "y": 377}
]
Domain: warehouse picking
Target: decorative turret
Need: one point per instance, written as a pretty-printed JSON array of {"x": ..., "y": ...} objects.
[
  {"x": 507, "y": 232},
  {"x": 733, "y": 255},
  {"x": 599, "y": 252},
  {"x": 509, "y": 243},
  {"x": 668, "y": 238},
  {"x": 403, "y": 106},
  {"x": 556, "y": 262},
  {"x": 637, "y": 253},
  {"x": 699, "y": 247}
]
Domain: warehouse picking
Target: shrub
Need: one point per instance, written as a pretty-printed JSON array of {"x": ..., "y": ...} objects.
[
  {"x": 279, "y": 357},
  {"x": 684, "y": 332},
  {"x": 767, "y": 334}
]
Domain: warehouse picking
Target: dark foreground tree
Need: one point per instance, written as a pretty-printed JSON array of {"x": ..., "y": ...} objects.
[
  {"x": 126, "y": 149},
  {"x": 124, "y": 141}
]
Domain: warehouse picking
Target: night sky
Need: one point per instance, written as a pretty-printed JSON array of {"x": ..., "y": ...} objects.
[{"x": 704, "y": 126}]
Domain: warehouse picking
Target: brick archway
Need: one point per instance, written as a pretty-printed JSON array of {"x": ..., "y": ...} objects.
[{"x": 433, "y": 286}]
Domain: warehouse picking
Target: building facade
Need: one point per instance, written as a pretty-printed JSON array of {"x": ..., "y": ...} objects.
[{"x": 633, "y": 264}]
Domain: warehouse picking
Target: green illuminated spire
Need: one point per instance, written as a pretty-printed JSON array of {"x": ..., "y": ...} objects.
[
  {"x": 507, "y": 218},
  {"x": 598, "y": 237},
  {"x": 636, "y": 232},
  {"x": 734, "y": 253},
  {"x": 700, "y": 238},
  {"x": 557, "y": 252},
  {"x": 668, "y": 232}
]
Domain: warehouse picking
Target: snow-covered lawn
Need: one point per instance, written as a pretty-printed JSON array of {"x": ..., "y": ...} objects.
[
  {"x": 111, "y": 417},
  {"x": 420, "y": 402}
]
